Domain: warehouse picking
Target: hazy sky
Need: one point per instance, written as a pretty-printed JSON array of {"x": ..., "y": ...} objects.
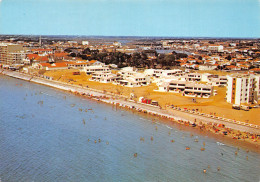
[{"x": 197, "y": 18}]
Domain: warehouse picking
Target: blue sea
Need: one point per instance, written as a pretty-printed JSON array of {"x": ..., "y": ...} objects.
[{"x": 50, "y": 135}]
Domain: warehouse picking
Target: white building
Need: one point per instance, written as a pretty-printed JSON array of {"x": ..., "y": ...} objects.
[
  {"x": 214, "y": 80},
  {"x": 159, "y": 73},
  {"x": 192, "y": 77},
  {"x": 218, "y": 81},
  {"x": 98, "y": 68},
  {"x": 135, "y": 80},
  {"x": 104, "y": 77},
  {"x": 84, "y": 42},
  {"x": 187, "y": 88},
  {"x": 217, "y": 48},
  {"x": 207, "y": 67},
  {"x": 243, "y": 89},
  {"x": 117, "y": 44}
]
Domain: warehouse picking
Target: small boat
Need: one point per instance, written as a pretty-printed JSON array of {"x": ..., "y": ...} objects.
[
  {"x": 202, "y": 149},
  {"x": 187, "y": 148}
]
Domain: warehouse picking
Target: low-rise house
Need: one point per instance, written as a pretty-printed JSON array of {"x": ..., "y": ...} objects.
[
  {"x": 208, "y": 67},
  {"x": 42, "y": 52},
  {"x": 53, "y": 66},
  {"x": 77, "y": 65},
  {"x": 233, "y": 68}
]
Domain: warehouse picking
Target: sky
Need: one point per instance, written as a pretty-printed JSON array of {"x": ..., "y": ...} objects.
[{"x": 171, "y": 18}]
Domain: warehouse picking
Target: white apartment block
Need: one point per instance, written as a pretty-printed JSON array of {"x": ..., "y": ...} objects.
[
  {"x": 159, "y": 73},
  {"x": 127, "y": 71},
  {"x": 218, "y": 81},
  {"x": 104, "y": 77},
  {"x": 187, "y": 88},
  {"x": 92, "y": 69},
  {"x": 135, "y": 80},
  {"x": 198, "y": 90},
  {"x": 192, "y": 77},
  {"x": 243, "y": 89},
  {"x": 214, "y": 80},
  {"x": 217, "y": 48}
]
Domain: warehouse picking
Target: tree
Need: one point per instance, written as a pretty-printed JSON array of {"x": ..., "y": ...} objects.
[
  {"x": 170, "y": 60},
  {"x": 228, "y": 57},
  {"x": 86, "y": 51},
  {"x": 73, "y": 54}
]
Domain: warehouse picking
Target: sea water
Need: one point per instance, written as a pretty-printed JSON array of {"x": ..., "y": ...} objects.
[{"x": 51, "y": 135}]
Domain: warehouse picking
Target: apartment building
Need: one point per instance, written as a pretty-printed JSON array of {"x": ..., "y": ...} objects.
[
  {"x": 11, "y": 53},
  {"x": 192, "y": 77},
  {"x": 187, "y": 88},
  {"x": 159, "y": 73},
  {"x": 93, "y": 69},
  {"x": 243, "y": 89},
  {"x": 135, "y": 80},
  {"x": 104, "y": 77},
  {"x": 214, "y": 80}
]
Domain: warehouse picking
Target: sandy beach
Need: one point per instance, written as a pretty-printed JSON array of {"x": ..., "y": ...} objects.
[
  {"x": 216, "y": 105},
  {"x": 234, "y": 131}
]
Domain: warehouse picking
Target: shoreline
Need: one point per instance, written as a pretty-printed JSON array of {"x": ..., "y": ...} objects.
[{"x": 236, "y": 134}]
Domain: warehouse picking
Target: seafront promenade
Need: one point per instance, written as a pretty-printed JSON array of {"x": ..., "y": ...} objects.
[{"x": 177, "y": 115}]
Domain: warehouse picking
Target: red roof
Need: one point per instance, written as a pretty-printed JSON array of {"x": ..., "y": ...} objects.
[
  {"x": 63, "y": 64},
  {"x": 32, "y": 56},
  {"x": 92, "y": 61},
  {"x": 54, "y": 65},
  {"x": 45, "y": 64},
  {"x": 42, "y": 58},
  {"x": 255, "y": 69},
  {"x": 60, "y": 54}
]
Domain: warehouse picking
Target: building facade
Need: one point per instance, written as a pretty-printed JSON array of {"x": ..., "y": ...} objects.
[
  {"x": 243, "y": 89},
  {"x": 11, "y": 53}
]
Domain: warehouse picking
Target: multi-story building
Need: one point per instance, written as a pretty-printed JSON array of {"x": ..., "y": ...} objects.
[
  {"x": 11, "y": 53},
  {"x": 93, "y": 69},
  {"x": 192, "y": 77},
  {"x": 104, "y": 77},
  {"x": 243, "y": 89},
  {"x": 159, "y": 73},
  {"x": 187, "y": 88},
  {"x": 135, "y": 80}
]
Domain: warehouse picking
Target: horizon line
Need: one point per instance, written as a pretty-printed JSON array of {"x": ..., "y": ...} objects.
[{"x": 134, "y": 36}]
